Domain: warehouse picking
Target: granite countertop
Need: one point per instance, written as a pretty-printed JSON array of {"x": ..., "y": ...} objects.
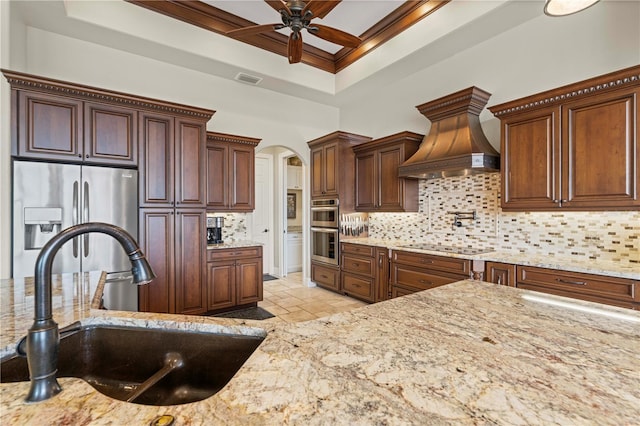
[
  {"x": 464, "y": 353},
  {"x": 590, "y": 266},
  {"x": 233, "y": 244}
]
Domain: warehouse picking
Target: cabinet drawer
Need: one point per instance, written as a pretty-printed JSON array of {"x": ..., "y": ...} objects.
[
  {"x": 441, "y": 263},
  {"x": 325, "y": 276},
  {"x": 359, "y": 287},
  {"x": 358, "y": 249},
  {"x": 596, "y": 288},
  {"x": 358, "y": 265},
  {"x": 420, "y": 279},
  {"x": 238, "y": 253}
]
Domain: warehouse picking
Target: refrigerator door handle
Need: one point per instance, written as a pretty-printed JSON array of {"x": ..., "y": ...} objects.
[
  {"x": 85, "y": 214},
  {"x": 74, "y": 216}
]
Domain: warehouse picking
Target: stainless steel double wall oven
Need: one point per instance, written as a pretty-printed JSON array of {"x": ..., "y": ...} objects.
[{"x": 325, "y": 230}]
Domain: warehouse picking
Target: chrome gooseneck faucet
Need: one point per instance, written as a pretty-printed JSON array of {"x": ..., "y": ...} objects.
[{"x": 43, "y": 339}]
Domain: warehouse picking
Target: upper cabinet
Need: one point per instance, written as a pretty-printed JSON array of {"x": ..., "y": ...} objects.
[
  {"x": 230, "y": 172},
  {"x": 573, "y": 148},
  {"x": 333, "y": 165},
  {"x": 378, "y": 187},
  {"x": 294, "y": 177},
  {"x": 60, "y": 121}
]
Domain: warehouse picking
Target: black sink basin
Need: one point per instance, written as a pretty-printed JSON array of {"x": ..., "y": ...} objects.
[{"x": 116, "y": 361}]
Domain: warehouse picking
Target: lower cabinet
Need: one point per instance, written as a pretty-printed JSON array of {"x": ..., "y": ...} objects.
[
  {"x": 500, "y": 273},
  {"x": 294, "y": 251},
  {"x": 412, "y": 272},
  {"x": 174, "y": 242},
  {"x": 326, "y": 276},
  {"x": 364, "y": 272},
  {"x": 596, "y": 288},
  {"x": 234, "y": 277}
]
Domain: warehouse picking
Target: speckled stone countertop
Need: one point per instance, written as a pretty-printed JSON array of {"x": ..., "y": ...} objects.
[
  {"x": 463, "y": 353},
  {"x": 233, "y": 244},
  {"x": 590, "y": 266}
]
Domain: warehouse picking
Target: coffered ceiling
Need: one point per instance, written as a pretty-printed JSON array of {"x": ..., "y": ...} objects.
[{"x": 375, "y": 22}]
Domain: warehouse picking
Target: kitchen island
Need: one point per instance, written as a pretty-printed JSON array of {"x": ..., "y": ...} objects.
[{"x": 464, "y": 353}]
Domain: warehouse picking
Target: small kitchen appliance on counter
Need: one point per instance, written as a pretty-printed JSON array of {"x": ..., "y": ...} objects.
[{"x": 214, "y": 229}]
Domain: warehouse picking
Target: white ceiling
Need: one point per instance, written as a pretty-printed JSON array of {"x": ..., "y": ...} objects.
[
  {"x": 459, "y": 25},
  {"x": 352, "y": 16}
]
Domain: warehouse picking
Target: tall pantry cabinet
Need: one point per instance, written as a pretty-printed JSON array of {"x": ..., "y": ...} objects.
[{"x": 173, "y": 210}]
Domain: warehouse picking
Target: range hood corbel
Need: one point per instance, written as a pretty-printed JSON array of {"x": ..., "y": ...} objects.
[{"x": 456, "y": 144}]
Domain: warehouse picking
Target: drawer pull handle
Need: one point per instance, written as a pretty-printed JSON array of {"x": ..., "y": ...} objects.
[
  {"x": 425, "y": 282},
  {"x": 560, "y": 280},
  {"x": 356, "y": 264},
  {"x": 427, "y": 261},
  {"x": 324, "y": 276}
]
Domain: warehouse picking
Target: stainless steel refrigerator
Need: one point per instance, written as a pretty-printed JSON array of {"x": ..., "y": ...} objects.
[{"x": 48, "y": 198}]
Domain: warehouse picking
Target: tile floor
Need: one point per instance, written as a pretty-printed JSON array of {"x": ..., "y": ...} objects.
[{"x": 291, "y": 301}]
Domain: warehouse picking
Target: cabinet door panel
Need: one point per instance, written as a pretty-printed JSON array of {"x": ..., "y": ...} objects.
[
  {"x": 49, "y": 127},
  {"x": 391, "y": 193},
  {"x": 242, "y": 181},
  {"x": 190, "y": 154},
  {"x": 500, "y": 273},
  {"x": 601, "y": 152},
  {"x": 317, "y": 172},
  {"x": 358, "y": 287},
  {"x": 110, "y": 134},
  {"x": 190, "y": 258},
  {"x": 331, "y": 170},
  {"x": 156, "y": 160},
  {"x": 221, "y": 289},
  {"x": 529, "y": 161},
  {"x": 366, "y": 178},
  {"x": 217, "y": 177},
  {"x": 249, "y": 280},
  {"x": 157, "y": 243}
]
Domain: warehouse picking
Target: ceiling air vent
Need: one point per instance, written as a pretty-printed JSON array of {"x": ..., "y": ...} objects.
[{"x": 249, "y": 79}]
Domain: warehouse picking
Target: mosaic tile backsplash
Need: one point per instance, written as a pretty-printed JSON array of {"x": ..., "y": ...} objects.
[
  {"x": 235, "y": 226},
  {"x": 613, "y": 236}
]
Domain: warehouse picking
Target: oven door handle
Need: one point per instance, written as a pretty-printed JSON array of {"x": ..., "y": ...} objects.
[
  {"x": 325, "y": 230},
  {"x": 324, "y": 209}
]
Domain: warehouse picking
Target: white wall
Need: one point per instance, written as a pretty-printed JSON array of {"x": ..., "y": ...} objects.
[{"x": 538, "y": 55}]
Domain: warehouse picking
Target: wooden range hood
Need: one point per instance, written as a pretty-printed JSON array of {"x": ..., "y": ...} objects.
[{"x": 456, "y": 144}]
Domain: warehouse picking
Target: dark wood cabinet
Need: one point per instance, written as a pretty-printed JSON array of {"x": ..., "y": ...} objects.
[
  {"x": 596, "y": 288},
  {"x": 500, "y": 273},
  {"x": 66, "y": 128},
  {"x": 234, "y": 277},
  {"x": 333, "y": 165},
  {"x": 156, "y": 159},
  {"x": 364, "y": 271},
  {"x": 326, "y": 276},
  {"x": 47, "y": 126},
  {"x": 110, "y": 134},
  {"x": 190, "y": 255},
  {"x": 157, "y": 241},
  {"x": 574, "y": 147},
  {"x": 378, "y": 187},
  {"x": 174, "y": 242},
  {"x": 190, "y": 166},
  {"x": 230, "y": 184},
  {"x": 411, "y": 271}
]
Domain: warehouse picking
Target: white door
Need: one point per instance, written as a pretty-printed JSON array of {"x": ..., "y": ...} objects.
[{"x": 263, "y": 214}]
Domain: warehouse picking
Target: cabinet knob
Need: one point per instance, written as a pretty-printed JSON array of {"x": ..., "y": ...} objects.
[
  {"x": 86, "y": 156},
  {"x": 79, "y": 155}
]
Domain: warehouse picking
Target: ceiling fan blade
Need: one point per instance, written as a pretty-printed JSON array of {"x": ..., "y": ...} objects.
[
  {"x": 278, "y": 5},
  {"x": 319, "y": 8},
  {"x": 254, "y": 29},
  {"x": 334, "y": 35},
  {"x": 295, "y": 47}
]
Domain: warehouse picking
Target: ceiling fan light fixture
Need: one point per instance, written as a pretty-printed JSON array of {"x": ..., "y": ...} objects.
[{"x": 566, "y": 7}]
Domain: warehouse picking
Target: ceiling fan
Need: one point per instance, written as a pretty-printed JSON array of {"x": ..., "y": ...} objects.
[{"x": 297, "y": 15}]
